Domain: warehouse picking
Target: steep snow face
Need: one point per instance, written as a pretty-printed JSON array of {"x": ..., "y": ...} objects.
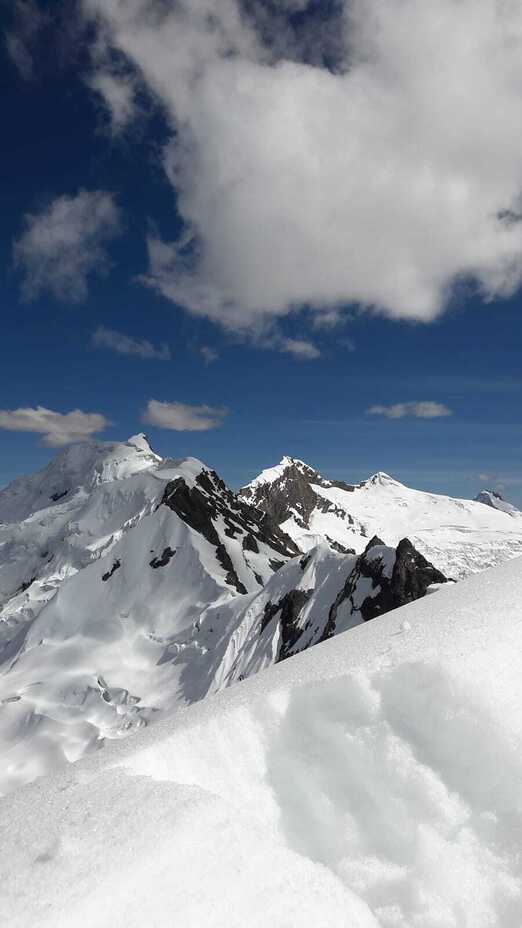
[
  {"x": 371, "y": 782},
  {"x": 458, "y": 536},
  {"x": 495, "y": 500},
  {"x": 75, "y": 470},
  {"x": 161, "y": 622},
  {"x": 312, "y": 598},
  {"x": 103, "y": 594}
]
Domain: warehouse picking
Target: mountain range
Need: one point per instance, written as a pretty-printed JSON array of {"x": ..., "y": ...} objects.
[{"x": 131, "y": 585}]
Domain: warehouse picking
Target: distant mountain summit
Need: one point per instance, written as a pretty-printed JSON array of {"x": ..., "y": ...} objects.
[
  {"x": 290, "y": 493},
  {"x": 494, "y": 499},
  {"x": 458, "y": 536}
]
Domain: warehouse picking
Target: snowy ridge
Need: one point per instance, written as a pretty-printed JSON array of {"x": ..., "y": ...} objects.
[
  {"x": 371, "y": 782},
  {"x": 103, "y": 595},
  {"x": 458, "y": 536}
]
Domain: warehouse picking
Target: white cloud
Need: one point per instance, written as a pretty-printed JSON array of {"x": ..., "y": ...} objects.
[
  {"x": 62, "y": 245},
  {"x": 180, "y": 417},
  {"x": 27, "y": 21},
  {"x": 208, "y": 354},
  {"x": 347, "y": 342},
  {"x": 423, "y": 409},
  {"x": 381, "y": 182},
  {"x": 300, "y": 348},
  {"x": 329, "y": 319},
  {"x": 57, "y": 428},
  {"x": 126, "y": 344},
  {"x": 118, "y": 92}
]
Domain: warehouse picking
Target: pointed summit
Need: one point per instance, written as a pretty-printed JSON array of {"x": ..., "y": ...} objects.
[{"x": 141, "y": 442}]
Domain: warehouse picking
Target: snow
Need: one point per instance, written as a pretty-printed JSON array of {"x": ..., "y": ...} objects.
[
  {"x": 490, "y": 498},
  {"x": 96, "y": 641},
  {"x": 271, "y": 474},
  {"x": 96, "y": 638},
  {"x": 458, "y": 536},
  {"x": 371, "y": 782}
]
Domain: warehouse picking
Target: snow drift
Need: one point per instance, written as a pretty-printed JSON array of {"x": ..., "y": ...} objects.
[{"x": 372, "y": 781}]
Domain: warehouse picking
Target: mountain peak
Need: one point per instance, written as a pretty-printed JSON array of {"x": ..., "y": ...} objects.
[
  {"x": 78, "y": 466},
  {"x": 272, "y": 474},
  {"x": 381, "y": 479},
  {"x": 494, "y": 499},
  {"x": 288, "y": 461},
  {"x": 141, "y": 442}
]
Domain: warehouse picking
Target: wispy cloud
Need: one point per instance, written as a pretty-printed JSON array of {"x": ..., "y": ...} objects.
[
  {"x": 181, "y": 417},
  {"x": 126, "y": 344},
  {"x": 27, "y": 21},
  {"x": 208, "y": 354},
  {"x": 421, "y": 409},
  {"x": 299, "y": 348},
  {"x": 498, "y": 481},
  {"x": 56, "y": 428},
  {"x": 65, "y": 243},
  {"x": 329, "y": 319},
  {"x": 118, "y": 92}
]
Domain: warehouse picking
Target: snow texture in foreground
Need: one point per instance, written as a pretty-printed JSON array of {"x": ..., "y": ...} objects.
[{"x": 373, "y": 781}]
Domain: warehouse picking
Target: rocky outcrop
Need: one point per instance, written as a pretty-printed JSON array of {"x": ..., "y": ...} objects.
[
  {"x": 397, "y": 577},
  {"x": 292, "y": 493},
  {"x": 289, "y": 609},
  {"x": 495, "y": 500},
  {"x": 210, "y": 502}
]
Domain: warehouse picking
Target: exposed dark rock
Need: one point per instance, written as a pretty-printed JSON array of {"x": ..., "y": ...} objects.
[
  {"x": 56, "y": 496},
  {"x": 411, "y": 576},
  {"x": 293, "y": 495},
  {"x": 290, "y": 607},
  {"x": 202, "y": 505},
  {"x": 250, "y": 544},
  {"x": 162, "y": 561},
  {"x": 110, "y": 572},
  {"x": 337, "y": 546},
  {"x": 25, "y": 586}
]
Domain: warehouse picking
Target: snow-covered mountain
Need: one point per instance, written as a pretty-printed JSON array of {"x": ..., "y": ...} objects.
[
  {"x": 372, "y": 781},
  {"x": 495, "y": 499},
  {"x": 130, "y": 585},
  {"x": 458, "y": 536}
]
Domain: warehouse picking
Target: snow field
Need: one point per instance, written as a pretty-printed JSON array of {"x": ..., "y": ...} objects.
[{"x": 370, "y": 782}]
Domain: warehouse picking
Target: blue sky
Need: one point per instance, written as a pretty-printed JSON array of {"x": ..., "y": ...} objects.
[{"x": 467, "y": 359}]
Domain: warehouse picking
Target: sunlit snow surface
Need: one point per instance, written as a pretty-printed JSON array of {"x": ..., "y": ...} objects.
[
  {"x": 458, "y": 536},
  {"x": 374, "y": 780}
]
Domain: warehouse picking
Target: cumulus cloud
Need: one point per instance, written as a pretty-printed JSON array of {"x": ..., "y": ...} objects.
[
  {"x": 65, "y": 243},
  {"x": 380, "y": 170},
  {"x": 180, "y": 417},
  {"x": 423, "y": 409},
  {"x": 126, "y": 344},
  {"x": 56, "y": 428}
]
